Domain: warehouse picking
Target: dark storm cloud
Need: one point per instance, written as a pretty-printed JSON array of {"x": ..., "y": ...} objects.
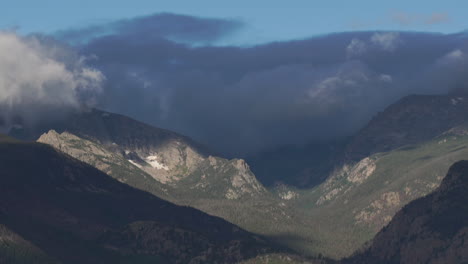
[
  {"x": 178, "y": 28},
  {"x": 243, "y": 100}
]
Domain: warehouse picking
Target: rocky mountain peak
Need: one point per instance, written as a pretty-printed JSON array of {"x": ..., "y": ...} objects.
[
  {"x": 107, "y": 140},
  {"x": 241, "y": 165}
]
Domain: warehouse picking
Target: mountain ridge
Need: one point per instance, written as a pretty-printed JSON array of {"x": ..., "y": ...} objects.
[
  {"x": 431, "y": 229},
  {"x": 411, "y": 120},
  {"x": 57, "y": 197}
]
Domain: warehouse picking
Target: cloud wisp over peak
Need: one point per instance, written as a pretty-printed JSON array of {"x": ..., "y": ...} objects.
[{"x": 38, "y": 76}]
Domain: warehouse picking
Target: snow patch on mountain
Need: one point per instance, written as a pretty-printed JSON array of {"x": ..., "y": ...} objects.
[
  {"x": 153, "y": 161},
  {"x": 134, "y": 163}
]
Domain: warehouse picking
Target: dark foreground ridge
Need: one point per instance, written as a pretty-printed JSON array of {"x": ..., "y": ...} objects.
[
  {"x": 432, "y": 229},
  {"x": 77, "y": 214}
]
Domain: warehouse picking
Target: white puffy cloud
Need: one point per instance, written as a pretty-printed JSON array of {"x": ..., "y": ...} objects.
[
  {"x": 451, "y": 60},
  {"x": 387, "y": 41},
  {"x": 380, "y": 41},
  {"x": 349, "y": 88},
  {"x": 356, "y": 47},
  {"x": 38, "y": 74},
  {"x": 455, "y": 55}
]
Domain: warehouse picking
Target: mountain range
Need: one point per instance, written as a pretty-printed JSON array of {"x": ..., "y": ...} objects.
[{"x": 121, "y": 190}]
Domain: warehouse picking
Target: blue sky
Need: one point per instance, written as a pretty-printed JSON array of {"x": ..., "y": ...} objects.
[{"x": 266, "y": 20}]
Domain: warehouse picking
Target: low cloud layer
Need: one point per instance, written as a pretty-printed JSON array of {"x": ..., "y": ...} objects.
[
  {"x": 244, "y": 100},
  {"x": 38, "y": 76}
]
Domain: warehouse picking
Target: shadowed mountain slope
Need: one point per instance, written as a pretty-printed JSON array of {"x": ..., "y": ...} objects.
[
  {"x": 432, "y": 229},
  {"x": 411, "y": 120},
  {"x": 77, "y": 214}
]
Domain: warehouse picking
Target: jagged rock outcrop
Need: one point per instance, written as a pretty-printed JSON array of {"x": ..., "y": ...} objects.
[{"x": 347, "y": 177}]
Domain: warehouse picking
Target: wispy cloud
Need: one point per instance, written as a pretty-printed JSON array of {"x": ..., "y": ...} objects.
[
  {"x": 437, "y": 18},
  {"x": 403, "y": 18},
  {"x": 410, "y": 19},
  {"x": 356, "y": 47}
]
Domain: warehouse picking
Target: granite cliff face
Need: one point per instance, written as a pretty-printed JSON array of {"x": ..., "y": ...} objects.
[
  {"x": 432, "y": 229},
  {"x": 345, "y": 178}
]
